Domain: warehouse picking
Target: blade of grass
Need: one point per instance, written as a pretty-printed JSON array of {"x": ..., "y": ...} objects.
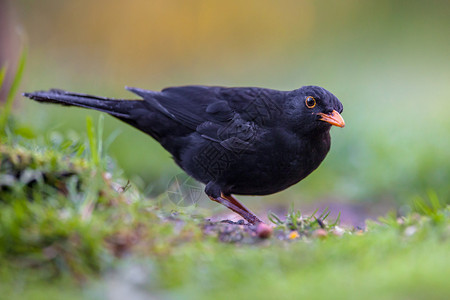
[
  {"x": 92, "y": 141},
  {"x": 434, "y": 200},
  {"x": 2, "y": 75},
  {"x": 324, "y": 214},
  {"x": 421, "y": 206},
  {"x": 110, "y": 139},
  {"x": 313, "y": 215},
  {"x": 4, "y": 115},
  {"x": 337, "y": 221},
  {"x": 100, "y": 135},
  {"x": 274, "y": 218},
  {"x": 2, "y": 78}
]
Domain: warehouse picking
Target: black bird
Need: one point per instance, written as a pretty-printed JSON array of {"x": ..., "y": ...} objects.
[{"x": 247, "y": 141}]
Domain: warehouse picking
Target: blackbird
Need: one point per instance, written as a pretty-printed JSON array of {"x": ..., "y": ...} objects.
[{"x": 246, "y": 141}]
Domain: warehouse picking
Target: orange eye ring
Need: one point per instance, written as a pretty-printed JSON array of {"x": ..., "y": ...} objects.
[{"x": 310, "y": 102}]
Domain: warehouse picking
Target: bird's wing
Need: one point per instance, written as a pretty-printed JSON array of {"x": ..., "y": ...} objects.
[
  {"x": 260, "y": 106},
  {"x": 229, "y": 116},
  {"x": 237, "y": 135},
  {"x": 190, "y": 106}
]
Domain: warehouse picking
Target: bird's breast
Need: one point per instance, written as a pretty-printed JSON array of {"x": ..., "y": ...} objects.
[{"x": 276, "y": 165}]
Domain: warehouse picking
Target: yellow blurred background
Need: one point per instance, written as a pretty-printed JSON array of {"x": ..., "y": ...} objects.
[{"x": 229, "y": 42}]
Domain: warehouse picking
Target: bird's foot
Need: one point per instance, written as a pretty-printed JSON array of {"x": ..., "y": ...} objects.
[{"x": 230, "y": 202}]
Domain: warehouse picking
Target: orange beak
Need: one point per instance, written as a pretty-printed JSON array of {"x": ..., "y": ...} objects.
[{"x": 334, "y": 118}]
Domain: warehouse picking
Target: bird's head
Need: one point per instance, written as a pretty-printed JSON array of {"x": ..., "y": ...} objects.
[{"x": 312, "y": 108}]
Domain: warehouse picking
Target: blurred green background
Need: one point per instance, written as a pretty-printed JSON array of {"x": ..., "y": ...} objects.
[{"x": 387, "y": 61}]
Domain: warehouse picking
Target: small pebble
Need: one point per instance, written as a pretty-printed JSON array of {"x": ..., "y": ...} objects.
[
  {"x": 263, "y": 230},
  {"x": 338, "y": 231},
  {"x": 410, "y": 230},
  {"x": 320, "y": 233}
]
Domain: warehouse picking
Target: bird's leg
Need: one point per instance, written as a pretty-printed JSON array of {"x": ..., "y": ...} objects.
[
  {"x": 239, "y": 204},
  {"x": 215, "y": 194},
  {"x": 238, "y": 208}
]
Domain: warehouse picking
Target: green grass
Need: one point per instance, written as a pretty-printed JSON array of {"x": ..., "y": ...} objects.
[
  {"x": 69, "y": 229},
  {"x": 6, "y": 109}
]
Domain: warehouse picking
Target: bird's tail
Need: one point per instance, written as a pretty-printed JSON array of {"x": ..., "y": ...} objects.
[{"x": 115, "y": 107}]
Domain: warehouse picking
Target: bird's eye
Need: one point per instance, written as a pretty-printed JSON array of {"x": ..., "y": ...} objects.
[{"x": 310, "y": 102}]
